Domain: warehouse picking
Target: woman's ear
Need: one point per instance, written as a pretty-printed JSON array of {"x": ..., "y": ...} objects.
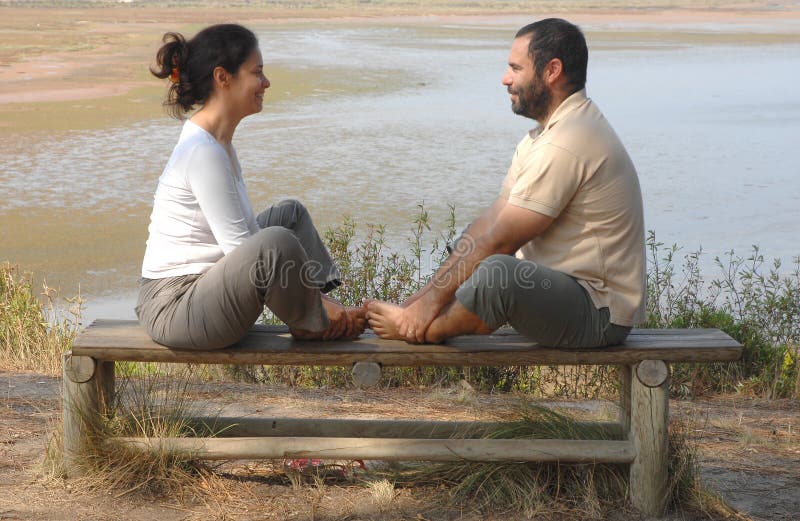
[{"x": 221, "y": 77}]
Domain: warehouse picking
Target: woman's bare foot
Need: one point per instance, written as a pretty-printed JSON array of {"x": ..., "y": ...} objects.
[
  {"x": 344, "y": 322},
  {"x": 302, "y": 334},
  {"x": 355, "y": 317}
]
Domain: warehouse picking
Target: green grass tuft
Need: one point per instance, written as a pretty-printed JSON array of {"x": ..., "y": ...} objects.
[{"x": 32, "y": 334}]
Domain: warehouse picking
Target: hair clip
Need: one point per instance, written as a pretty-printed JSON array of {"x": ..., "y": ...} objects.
[{"x": 175, "y": 77}]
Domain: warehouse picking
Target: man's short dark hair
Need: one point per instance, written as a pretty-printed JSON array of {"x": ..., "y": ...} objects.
[{"x": 557, "y": 38}]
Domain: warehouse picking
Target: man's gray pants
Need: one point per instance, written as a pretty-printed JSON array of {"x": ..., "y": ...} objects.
[
  {"x": 285, "y": 266},
  {"x": 546, "y": 305}
]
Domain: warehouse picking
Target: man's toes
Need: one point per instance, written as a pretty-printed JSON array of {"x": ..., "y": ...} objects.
[{"x": 379, "y": 331}]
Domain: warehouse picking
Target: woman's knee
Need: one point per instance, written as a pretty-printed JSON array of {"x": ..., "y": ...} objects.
[
  {"x": 276, "y": 237},
  {"x": 287, "y": 213},
  {"x": 294, "y": 208}
]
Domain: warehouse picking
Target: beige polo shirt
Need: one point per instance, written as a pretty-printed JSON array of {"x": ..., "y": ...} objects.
[{"x": 577, "y": 171}]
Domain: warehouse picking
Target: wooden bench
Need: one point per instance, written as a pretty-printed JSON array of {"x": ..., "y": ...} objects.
[{"x": 642, "y": 430}]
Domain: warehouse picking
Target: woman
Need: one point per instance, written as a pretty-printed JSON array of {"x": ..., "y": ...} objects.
[{"x": 211, "y": 264}]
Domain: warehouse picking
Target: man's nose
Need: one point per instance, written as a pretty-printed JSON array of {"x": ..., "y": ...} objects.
[
  {"x": 266, "y": 82},
  {"x": 506, "y": 80}
]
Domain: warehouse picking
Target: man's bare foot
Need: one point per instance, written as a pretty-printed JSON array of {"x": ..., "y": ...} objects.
[{"x": 383, "y": 318}]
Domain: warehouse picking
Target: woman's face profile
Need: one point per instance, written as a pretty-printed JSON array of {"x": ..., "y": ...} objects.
[{"x": 248, "y": 85}]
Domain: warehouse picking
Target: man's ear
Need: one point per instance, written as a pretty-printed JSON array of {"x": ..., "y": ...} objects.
[
  {"x": 221, "y": 76},
  {"x": 553, "y": 71}
]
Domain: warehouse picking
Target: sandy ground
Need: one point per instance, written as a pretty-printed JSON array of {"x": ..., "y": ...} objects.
[
  {"x": 749, "y": 451},
  {"x": 52, "y": 56}
]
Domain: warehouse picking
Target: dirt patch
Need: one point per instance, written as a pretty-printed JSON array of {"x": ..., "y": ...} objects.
[
  {"x": 750, "y": 452},
  {"x": 749, "y": 449}
]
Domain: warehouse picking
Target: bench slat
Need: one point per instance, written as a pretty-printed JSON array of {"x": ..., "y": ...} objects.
[{"x": 272, "y": 345}]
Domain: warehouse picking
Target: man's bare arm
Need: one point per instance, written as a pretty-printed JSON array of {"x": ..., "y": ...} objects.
[
  {"x": 476, "y": 227},
  {"x": 512, "y": 227}
]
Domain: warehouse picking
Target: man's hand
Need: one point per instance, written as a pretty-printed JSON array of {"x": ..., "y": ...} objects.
[
  {"x": 417, "y": 317},
  {"x": 415, "y": 297},
  {"x": 503, "y": 228}
]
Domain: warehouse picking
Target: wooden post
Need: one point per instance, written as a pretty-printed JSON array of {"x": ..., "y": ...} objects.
[
  {"x": 650, "y": 437},
  {"x": 88, "y": 394},
  {"x": 366, "y": 374}
]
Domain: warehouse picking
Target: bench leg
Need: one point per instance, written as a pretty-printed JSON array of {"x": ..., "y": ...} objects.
[
  {"x": 649, "y": 402},
  {"x": 88, "y": 395}
]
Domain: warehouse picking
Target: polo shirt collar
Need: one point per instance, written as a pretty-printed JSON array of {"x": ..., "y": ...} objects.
[{"x": 572, "y": 102}]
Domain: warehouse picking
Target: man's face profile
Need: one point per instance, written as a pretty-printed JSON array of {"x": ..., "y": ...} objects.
[{"x": 530, "y": 97}]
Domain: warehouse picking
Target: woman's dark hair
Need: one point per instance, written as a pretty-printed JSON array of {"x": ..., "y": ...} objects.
[
  {"x": 557, "y": 38},
  {"x": 190, "y": 64}
]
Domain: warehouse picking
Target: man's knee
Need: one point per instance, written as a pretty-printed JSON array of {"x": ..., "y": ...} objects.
[
  {"x": 486, "y": 293},
  {"x": 495, "y": 272}
]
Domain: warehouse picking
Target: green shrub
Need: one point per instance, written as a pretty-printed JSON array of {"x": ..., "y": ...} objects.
[{"x": 758, "y": 307}]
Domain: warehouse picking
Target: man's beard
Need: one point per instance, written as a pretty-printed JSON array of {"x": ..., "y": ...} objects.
[{"x": 533, "y": 99}]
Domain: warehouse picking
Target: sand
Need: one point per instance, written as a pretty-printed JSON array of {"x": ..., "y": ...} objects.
[{"x": 51, "y": 59}]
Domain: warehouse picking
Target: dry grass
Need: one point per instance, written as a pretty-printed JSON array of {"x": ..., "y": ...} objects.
[
  {"x": 462, "y": 394},
  {"x": 555, "y": 491},
  {"x": 147, "y": 406},
  {"x": 585, "y": 491},
  {"x": 382, "y": 493},
  {"x": 33, "y": 331}
]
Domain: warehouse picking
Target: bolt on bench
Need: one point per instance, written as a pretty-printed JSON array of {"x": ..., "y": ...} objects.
[{"x": 642, "y": 431}]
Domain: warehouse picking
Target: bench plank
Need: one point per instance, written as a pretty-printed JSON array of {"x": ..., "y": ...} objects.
[{"x": 272, "y": 345}]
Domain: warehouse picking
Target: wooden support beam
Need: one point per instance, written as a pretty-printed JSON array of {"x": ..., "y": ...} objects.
[
  {"x": 366, "y": 374},
  {"x": 227, "y": 427},
  {"x": 652, "y": 373},
  {"x": 88, "y": 390},
  {"x": 564, "y": 451},
  {"x": 650, "y": 438}
]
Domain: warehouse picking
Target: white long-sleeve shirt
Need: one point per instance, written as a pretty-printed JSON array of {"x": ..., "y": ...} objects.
[{"x": 201, "y": 211}]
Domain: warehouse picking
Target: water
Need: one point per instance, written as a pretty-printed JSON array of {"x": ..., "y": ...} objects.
[{"x": 401, "y": 115}]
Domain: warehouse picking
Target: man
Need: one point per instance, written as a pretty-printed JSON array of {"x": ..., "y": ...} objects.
[{"x": 570, "y": 207}]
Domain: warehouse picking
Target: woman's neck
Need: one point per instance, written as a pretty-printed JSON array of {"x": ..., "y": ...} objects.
[{"x": 218, "y": 123}]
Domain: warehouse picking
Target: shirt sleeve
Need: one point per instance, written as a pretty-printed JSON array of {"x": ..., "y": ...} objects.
[
  {"x": 211, "y": 178},
  {"x": 546, "y": 180}
]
